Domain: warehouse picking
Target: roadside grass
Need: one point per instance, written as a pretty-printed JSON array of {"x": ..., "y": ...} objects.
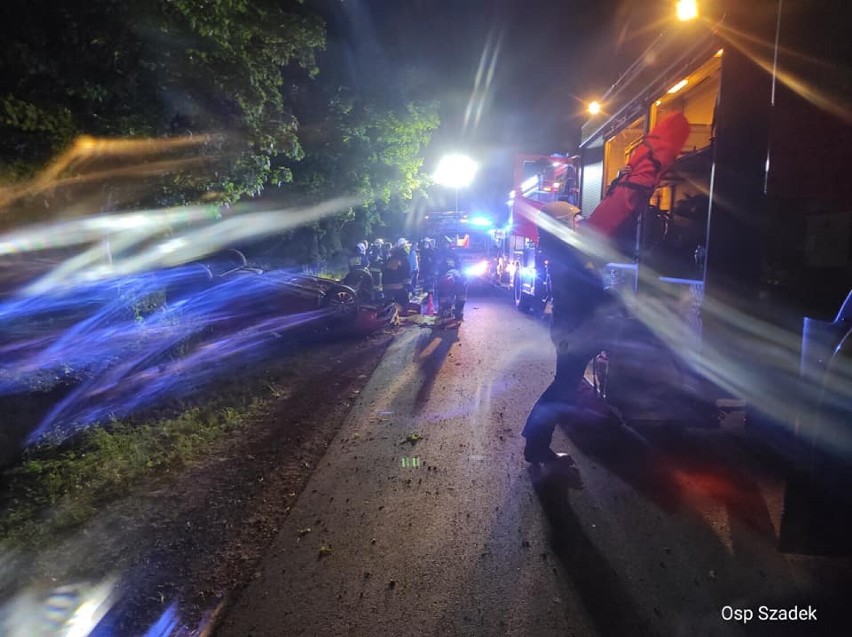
[{"x": 56, "y": 489}]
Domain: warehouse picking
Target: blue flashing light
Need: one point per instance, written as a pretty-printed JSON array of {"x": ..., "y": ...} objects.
[
  {"x": 481, "y": 222},
  {"x": 477, "y": 269}
]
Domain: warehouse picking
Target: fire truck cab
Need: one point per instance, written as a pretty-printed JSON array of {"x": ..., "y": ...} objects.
[{"x": 538, "y": 179}]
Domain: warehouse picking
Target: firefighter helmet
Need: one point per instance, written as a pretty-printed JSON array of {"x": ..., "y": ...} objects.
[{"x": 562, "y": 211}]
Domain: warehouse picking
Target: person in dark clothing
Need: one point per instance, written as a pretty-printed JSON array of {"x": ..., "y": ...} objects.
[
  {"x": 586, "y": 317},
  {"x": 377, "y": 261},
  {"x": 427, "y": 264},
  {"x": 414, "y": 265},
  {"x": 427, "y": 270},
  {"x": 582, "y": 324},
  {"x": 396, "y": 274},
  {"x": 359, "y": 259},
  {"x": 451, "y": 283}
]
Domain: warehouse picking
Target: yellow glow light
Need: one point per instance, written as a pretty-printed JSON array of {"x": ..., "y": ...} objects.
[
  {"x": 594, "y": 108},
  {"x": 719, "y": 53},
  {"x": 678, "y": 86},
  {"x": 687, "y": 10},
  {"x": 455, "y": 171}
]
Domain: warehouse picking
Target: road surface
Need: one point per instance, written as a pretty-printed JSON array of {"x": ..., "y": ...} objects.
[{"x": 651, "y": 532}]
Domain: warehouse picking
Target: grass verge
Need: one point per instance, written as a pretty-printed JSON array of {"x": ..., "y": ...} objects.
[{"x": 56, "y": 489}]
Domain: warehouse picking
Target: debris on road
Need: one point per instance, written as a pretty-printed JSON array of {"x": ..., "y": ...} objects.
[{"x": 412, "y": 438}]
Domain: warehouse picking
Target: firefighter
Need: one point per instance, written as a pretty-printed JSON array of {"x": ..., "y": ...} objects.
[
  {"x": 427, "y": 265},
  {"x": 451, "y": 284},
  {"x": 359, "y": 260},
  {"x": 427, "y": 272},
  {"x": 376, "y": 259},
  {"x": 583, "y": 315},
  {"x": 396, "y": 274},
  {"x": 414, "y": 265}
]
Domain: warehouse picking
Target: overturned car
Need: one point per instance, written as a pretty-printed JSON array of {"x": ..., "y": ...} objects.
[
  {"x": 253, "y": 294},
  {"x": 107, "y": 348}
]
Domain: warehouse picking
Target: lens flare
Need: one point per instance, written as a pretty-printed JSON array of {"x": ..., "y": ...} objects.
[
  {"x": 90, "y": 161},
  {"x": 747, "y": 356},
  {"x": 135, "y": 341},
  {"x": 818, "y": 91},
  {"x": 481, "y": 93}
]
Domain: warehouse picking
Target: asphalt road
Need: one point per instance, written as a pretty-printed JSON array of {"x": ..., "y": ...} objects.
[{"x": 653, "y": 532}]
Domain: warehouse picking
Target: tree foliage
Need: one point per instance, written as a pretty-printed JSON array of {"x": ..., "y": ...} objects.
[
  {"x": 365, "y": 147},
  {"x": 155, "y": 68},
  {"x": 245, "y": 71},
  {"x": 367, "y": 143}
]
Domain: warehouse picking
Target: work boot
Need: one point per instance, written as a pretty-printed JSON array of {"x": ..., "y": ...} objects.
[
  {"x": 543, "y": 455},
  {"x": 537, "y": 448}
]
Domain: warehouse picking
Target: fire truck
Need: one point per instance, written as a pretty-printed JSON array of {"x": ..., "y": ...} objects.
[
  {"x": 751, "y": 230},
  {"x": 475, "y": 240},
  {"x": 538, "y": 179}
]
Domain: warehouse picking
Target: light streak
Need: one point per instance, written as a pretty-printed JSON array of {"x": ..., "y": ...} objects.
[
  {"x": 731, "y": 349},
  {"x": 110, "y": 308},
  {"x": 190, "y": 336},
  {"x": 764, "y": 54},
  {"x": 91, "y": 161},
  {"x": 137, "y": 243},
  {"x": 481, "y": 93}
]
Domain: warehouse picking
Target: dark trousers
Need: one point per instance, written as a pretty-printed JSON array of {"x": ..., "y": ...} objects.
[
  {"x": 377, "y": 279},
  {"x": 451, "y": 291},
  {"x": 574, "y": 349},
  {"x": 558, "y": 403},
  {"x": 398, "y": 292}
]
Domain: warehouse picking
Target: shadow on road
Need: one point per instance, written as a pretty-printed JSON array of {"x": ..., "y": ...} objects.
[
  {"x": 705, "y": 463},
  {"x": 676, "y": 468},
  {"x": 631, "y": 458},
  {"x": 430, "y": 354},
  {"x": 600, "y": 587}
]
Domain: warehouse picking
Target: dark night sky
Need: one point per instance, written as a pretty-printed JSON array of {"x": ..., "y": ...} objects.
[{"x": 546, "y": 59}]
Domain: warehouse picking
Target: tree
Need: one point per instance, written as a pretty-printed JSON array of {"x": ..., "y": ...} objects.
[
  {"x": 154, "y": 69},
  {"x": 366, "y": 146},
  {"x": 244, "y": 72}
]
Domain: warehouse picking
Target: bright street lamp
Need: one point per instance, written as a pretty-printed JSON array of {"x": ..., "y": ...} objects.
[
  {"x": 455, "y": 171},
  {"x": 687, "y": 10}
]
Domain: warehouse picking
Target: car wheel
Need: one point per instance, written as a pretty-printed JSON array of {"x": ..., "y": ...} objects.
[
  {"x": 542, "y": 294},
  {"x": 342, "y": 301},
  {"x": 361, "y": 281},
  {"x": 516, "y": 290},
  {"x": 522, "y": 301}
]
